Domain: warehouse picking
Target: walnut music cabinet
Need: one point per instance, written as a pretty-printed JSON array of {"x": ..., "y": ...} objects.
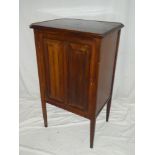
[{"x": 76, "y": 65}]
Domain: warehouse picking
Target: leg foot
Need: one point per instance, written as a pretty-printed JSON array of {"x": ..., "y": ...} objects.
[
  {"x": 92, "y": 131},
  {"x": 44, "y": 111},
  {"x": 108, "y": 110}
]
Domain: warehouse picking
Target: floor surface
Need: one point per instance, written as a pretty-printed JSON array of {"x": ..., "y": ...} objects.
[{"x": 68, "y": 134}]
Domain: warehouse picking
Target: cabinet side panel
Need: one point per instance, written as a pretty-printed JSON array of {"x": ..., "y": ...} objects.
[{"x": 108, "y": 53}]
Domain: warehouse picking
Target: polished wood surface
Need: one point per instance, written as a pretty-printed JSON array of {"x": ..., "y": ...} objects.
[
  {"x": 76, "y": 67},
  {"x": 54, "y": 69},
  {"x": 78, "y": 75},
  {"x": 99, "y": 28},
  {"x": 106, "y": 67}
]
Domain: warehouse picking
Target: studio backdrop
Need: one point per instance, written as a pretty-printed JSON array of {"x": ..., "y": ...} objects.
[{"x": 111, "y": 10}]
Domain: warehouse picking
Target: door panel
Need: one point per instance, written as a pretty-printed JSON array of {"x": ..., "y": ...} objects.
[
  {"x": 55, "y": 78},
  {"x": 78, "y": 75}
]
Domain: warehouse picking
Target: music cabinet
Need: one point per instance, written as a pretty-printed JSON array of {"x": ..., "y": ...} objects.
[{"x": 76, "y": 65}]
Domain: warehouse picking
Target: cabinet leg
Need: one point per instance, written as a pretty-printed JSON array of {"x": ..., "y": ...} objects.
[
  {"x": 44, "y": 111},
  {"x": 92, "y": 131},
  {"x": 108, "y": 110}
]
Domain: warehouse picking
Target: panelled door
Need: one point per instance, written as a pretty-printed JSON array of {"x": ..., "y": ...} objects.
[
  {"x": 78, "y": 75},
  {"x": 67, "y": 66},
  {"x": 55, "y": 70}
]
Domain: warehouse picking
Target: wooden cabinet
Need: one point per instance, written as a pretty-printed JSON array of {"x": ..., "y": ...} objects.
[{"x": 76, "y": 65}]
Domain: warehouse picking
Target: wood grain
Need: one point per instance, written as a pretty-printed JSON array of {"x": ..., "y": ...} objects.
[
  {"x": 55, "y": 68},
  {"x": 106, "y": 66},
  {"x": 78, "y": 75}
]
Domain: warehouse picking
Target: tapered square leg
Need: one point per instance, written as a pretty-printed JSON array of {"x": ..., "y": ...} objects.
[
  {"x": 92, "y": 131},
  {"x": 44, "y": 111},
  {"x": 108, "y": 110}
]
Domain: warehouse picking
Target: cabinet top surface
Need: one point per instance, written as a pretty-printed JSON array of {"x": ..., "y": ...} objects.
[{"x": 89, "y": 26}]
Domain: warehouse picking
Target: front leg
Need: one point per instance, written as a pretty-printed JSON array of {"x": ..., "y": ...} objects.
[
  {"x": 92, "y": 131},
  {"x": 44, "y": 111},
  {"x": 108, "y": 110}
]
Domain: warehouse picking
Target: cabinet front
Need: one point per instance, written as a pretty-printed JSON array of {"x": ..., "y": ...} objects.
[{"x": 67, "y": 66}]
